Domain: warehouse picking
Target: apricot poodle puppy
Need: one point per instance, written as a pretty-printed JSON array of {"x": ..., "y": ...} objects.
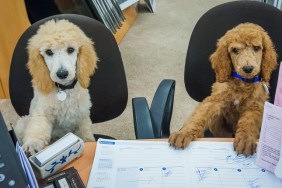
[
  {"x": 243, "y": 63},
  {"x": 61, "y": 60}
]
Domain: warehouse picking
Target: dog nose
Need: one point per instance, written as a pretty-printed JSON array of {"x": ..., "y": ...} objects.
[
  {"x": 248, "y": 69},
  {"x": 62, "y": 73}
]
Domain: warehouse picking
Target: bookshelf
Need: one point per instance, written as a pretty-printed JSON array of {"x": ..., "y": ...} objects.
[
  {"x": 109, "y": 12},
  {"x": 130, "y": 14},
  {"x": 117, "y": 15}
]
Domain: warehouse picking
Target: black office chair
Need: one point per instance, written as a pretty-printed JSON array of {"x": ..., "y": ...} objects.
[
  {"x": 199, "y": 75},
  {"x": 108, "y": 88}
]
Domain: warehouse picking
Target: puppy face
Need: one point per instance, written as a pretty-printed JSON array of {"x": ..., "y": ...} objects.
[
  {"x": 246, "y": 58},
  {"x": 246, "y": 49},
  {"x": 61, "y": 62},
  {"x": 60, "y": 52}
]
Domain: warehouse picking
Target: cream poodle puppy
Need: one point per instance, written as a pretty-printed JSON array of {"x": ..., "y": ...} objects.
[
  {"x": 61, "y": 60},
  {"x": 243, "y": 62}
]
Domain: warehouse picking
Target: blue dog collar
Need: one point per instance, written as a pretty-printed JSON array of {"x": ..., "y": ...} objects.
[{"x": 248, "y": 80}]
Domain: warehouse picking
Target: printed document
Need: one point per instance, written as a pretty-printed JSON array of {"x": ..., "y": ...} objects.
[
  {"x": 268, "y": 151},
  {"x": 153, "y": 164}
]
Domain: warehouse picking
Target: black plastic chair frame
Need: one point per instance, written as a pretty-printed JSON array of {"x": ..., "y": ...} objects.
[{"x": 154, "y": 122}]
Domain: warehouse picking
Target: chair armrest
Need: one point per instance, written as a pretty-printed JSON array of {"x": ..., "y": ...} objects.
[
  {"x": 162, "y": 107},
  {"x": 154, "y": 122},
  {"x": 97, "y": 136},
  {"x": 142, "y": 119}
]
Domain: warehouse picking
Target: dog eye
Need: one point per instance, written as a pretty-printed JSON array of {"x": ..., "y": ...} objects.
[
  {"x": 70, "y": 50},
  {"x": 235, "y": 50},
  {"x": 49, "y": 52},
  {"x": 256, "y": 48}
]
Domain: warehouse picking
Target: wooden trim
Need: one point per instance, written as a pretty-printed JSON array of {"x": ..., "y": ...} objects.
[
  {"x": 14, "y": 21},
  {"x": 2, "y": 94},
  {"x": 130, "y": 14}
]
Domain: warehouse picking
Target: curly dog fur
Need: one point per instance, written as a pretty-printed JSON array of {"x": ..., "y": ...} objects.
[
  {"x": 60, "y": 54},
  {"x": 234, "y": 106}
]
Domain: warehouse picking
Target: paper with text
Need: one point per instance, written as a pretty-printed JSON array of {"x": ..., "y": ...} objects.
[
  {"x": 278, "y": 169},
  {"x": 146, "y": 164},
  {"x": 270, "y": 137},
  {"x": 278, "y": 93}
]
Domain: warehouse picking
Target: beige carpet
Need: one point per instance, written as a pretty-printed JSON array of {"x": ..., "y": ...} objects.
[{"x": 154, "y": 49}]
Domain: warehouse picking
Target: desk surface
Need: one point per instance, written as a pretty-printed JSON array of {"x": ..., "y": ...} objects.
[{"x": 83, "y": 164}]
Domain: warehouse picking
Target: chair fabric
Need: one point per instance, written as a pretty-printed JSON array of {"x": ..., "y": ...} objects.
[
  {"x": 108, "y": 88},
  {"x": 199, "y": 75}
]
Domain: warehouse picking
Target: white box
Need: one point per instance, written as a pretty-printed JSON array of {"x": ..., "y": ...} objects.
[{"x": 57, "y": 155}]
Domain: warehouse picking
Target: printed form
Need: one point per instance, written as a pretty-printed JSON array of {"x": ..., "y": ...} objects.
[
  {"x": 270, "y": 137},
  {"x": 153, "y": 164}
]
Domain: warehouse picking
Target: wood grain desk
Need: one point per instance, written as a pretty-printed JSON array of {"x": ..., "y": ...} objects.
[{"x": 83, "y": 164}]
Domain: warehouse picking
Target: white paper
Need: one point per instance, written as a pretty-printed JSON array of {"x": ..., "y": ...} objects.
[
  {"x": 145, "y": 164},
  {"x": 270, "y": 137},
  {"x": 26, "y": 167},
  {"x": 278, "y": 169}
]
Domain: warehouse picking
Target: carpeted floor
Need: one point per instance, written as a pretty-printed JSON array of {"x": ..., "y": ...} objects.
[{"x": 154, "y": 49}]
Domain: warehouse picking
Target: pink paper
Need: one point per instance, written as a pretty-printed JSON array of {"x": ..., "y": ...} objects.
[{"x": 278, "y": 93}]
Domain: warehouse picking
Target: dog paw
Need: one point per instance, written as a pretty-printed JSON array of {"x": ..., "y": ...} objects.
[
  {"x": 86, "y": 136},
  {"x": 33, "y": 145},
  {"x": 244, "y": 144},
  {"x": 180, "y": 139}
]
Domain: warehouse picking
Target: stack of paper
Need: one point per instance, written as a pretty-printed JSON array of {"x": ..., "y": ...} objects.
[
  {"x": 109, "y": 12},
  {"x": 26, "y": 167},
  {"x": 270, "y": 142},
  {"x": 126, "y": 3},
  {"x": 151, "y": 4}
]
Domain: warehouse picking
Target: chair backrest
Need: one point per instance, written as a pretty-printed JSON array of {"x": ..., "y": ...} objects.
[
  {"x": 108, "y": 88},
  {"x": 199, "y": 75}
]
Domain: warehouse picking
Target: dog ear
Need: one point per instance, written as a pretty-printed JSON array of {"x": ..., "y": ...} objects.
[
  {"x": 39, "y": 71},
  {"x": 269, "y": 58},
  {"x": 87, "y": 62},
  {"x": 221, "y": 62}
]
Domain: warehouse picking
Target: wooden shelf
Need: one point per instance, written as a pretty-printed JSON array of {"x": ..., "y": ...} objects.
[
  {"x": 130, "y": 14},
  {"x": 2, "y": 95}
]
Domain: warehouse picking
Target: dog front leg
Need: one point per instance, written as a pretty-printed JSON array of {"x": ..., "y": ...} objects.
[
  {"x": 247, "y": 133},
  {"x": 84, "y": 131},
  {"x": 205, "y": 114},
  {"x": 37, "y": 134}
]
